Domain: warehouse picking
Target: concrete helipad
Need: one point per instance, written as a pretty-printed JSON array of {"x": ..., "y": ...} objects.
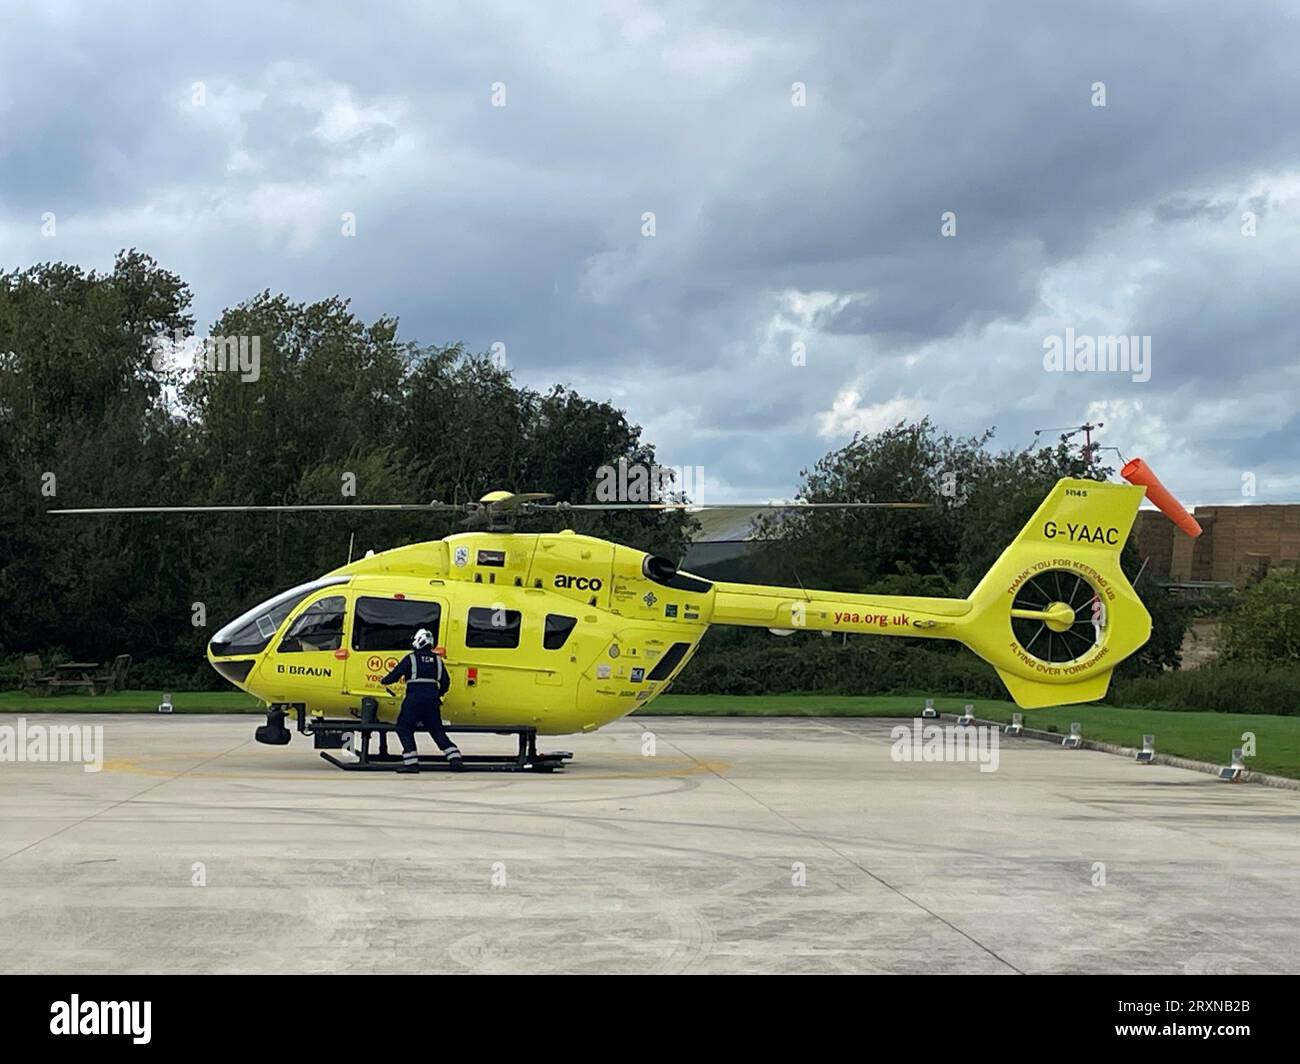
[{"x": 740, "y": 846}]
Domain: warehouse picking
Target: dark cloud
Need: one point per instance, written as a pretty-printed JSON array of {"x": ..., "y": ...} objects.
[{"x": 776, "y": 225}]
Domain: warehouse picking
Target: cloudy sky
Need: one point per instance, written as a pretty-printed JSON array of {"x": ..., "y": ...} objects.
[{"x": 799, "y": 161}]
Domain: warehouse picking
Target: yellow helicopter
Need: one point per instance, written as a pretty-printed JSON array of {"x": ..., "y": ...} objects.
[{"x": 559, "y": 633}]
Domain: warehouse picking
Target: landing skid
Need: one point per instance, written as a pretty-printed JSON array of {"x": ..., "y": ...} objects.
[
  {"x": 328, "y": 734},
  {"x": 436, "y": 763}
]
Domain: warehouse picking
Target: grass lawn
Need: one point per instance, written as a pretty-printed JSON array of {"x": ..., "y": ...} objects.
[
  {"x": 130, "y": 702},
  {"x": 1204, "y": 736}
]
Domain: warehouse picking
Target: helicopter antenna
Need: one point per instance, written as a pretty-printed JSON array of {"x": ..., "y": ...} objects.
[
  {"x": 1142, "y": 570},
  {"x": 807, "y": 597},
  {"x": 351, "y": 539},
  {"x": 1087, "y": 427},
  {"x": 1069, "y": 431}
]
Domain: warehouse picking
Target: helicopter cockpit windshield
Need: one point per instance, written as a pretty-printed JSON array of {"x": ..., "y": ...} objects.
[{"x": 250, "y": 632}]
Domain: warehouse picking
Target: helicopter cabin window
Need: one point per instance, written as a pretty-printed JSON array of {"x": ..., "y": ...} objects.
[
  {"x": 391, "y": 624},
  {"x": 250, "y": 632},
  {"x": 557, "y": 631},
  {"x": 318, "y": 627},
  {"x": 492, "y": 626}
]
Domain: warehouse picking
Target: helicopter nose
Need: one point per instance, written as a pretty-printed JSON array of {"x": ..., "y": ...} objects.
[
  {"x": 231, "y": 661},
  {"x": 234, "y": 671}
]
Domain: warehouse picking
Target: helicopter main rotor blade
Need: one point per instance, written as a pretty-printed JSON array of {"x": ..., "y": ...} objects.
[
  {"x": 733, "y": 506},
  {"x": 257, "y": 509},
  {"x": 512, "y": 504}
]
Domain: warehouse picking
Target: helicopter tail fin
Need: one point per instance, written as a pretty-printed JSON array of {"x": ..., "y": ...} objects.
[
  {"x": 1032, "y": 694},
  {"x": 1055, "y": 614}
]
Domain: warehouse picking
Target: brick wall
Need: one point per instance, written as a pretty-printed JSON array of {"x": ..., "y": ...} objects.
[{"x": 1237, "y": 542}]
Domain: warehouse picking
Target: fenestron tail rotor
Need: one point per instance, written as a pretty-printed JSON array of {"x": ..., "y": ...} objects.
[{"x": 1057, "y": 616}]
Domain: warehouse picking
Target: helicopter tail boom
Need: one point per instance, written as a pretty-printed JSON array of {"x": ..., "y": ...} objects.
[{"x": 1054, "y": 614}]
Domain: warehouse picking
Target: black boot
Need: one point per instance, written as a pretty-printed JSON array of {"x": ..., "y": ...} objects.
[
  {"x": 409, "y": 766},
  {"x": 456, "y": 764}
]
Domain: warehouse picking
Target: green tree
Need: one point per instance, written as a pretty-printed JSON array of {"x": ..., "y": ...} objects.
[
  {"x": 978, "y": 501},
  {"x": 83, "y": 419},
  {"x": 339, "y": 410},
  {"x": 1263, "y": 626}
]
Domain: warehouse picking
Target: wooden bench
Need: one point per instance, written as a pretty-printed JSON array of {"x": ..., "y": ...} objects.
[
  {"x": 36, "y": 680},
  {"x": 75, "y": 674},
  {"x": 89, "y": 676},
  {"x": 113, "y": 678}
]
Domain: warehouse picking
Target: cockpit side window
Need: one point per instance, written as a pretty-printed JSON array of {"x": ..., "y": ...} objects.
[
  {"x": 318, "y": 627},
  {"x": 251, "y": 632}
]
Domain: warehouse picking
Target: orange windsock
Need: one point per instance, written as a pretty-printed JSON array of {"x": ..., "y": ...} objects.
[{"x": 1138, "y": 472}]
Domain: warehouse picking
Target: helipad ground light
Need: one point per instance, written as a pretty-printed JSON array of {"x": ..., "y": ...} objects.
[
  {"x": 1148, "y": 750},
  {"x": 929, "y": 712},
  {"x": 967, "y": 716},
  {"x": 1075, "y": 739},
  {"x": 1017, "y": 725},
  {"x": 1233, "y": 773},
  {"x": 166, "y": 705}
]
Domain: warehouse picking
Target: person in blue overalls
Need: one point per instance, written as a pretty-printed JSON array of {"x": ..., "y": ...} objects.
[{"x": 427, "y": 681}]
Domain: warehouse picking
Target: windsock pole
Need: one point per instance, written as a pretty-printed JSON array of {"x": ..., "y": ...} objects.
[{"x": 1138, "y": 472}]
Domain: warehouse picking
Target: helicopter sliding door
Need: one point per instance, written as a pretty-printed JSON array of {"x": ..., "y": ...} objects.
[
  {"x": 382, "y": 630},
  {"x": 307, "y": 659}
]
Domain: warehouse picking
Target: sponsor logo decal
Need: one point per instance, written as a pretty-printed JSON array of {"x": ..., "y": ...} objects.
[
  {"x": 304, "y": 670},
  {"x": 580, "y": 583}
]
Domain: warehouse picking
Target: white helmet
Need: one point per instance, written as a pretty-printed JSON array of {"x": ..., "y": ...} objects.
[{"x": 423, "y": 638}]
